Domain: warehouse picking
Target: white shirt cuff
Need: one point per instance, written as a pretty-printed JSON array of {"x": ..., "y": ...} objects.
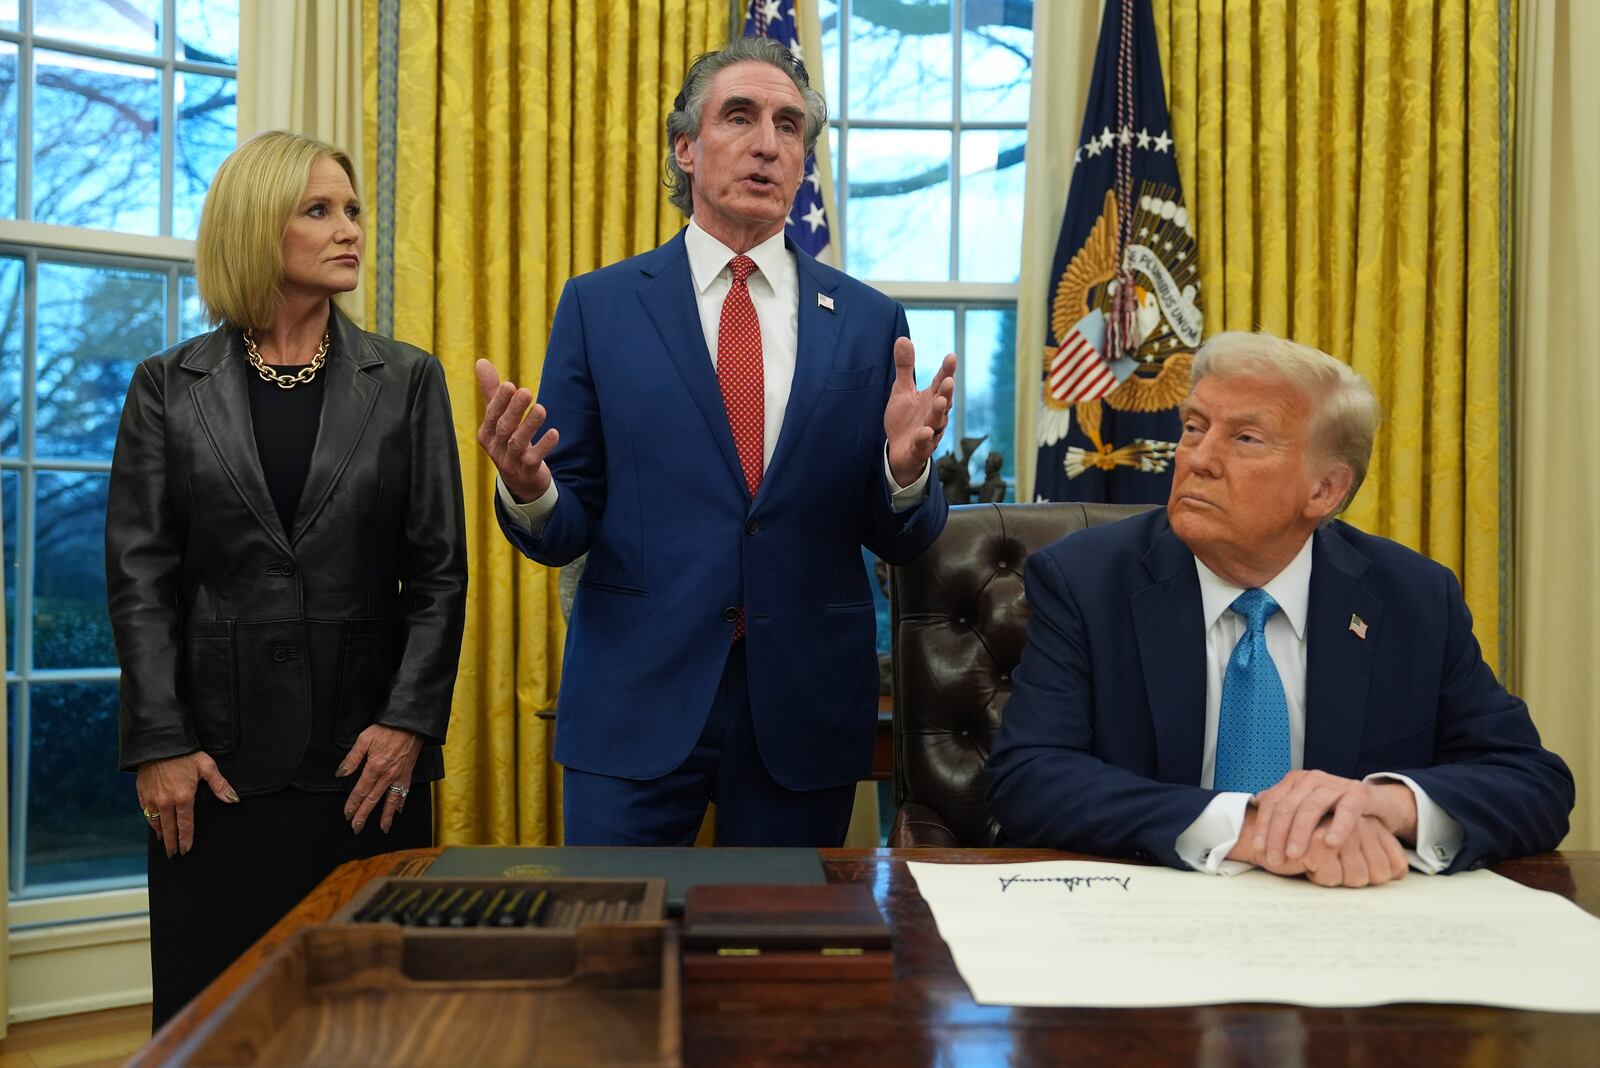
[
  {"x": 904, "y": 498},
  {"x": 1204, "y": 844},
  {"x": 1439, "y": 836},
  {"x": 530, "y": 517}
]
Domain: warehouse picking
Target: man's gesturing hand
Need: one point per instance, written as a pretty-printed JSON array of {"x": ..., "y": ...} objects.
[
  {"x": 507, "y": 433},
  {"x": 915, "y": 419}
]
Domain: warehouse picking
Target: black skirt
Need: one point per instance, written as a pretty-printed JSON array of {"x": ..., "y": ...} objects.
[{"x": 251, "y": 864}]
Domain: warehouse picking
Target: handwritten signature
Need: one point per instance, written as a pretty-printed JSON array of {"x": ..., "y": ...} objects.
[{"x": 1071, "y": 882}]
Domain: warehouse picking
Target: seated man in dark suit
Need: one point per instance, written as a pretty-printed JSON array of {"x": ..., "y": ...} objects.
[{"x": 1244, "y": 680}]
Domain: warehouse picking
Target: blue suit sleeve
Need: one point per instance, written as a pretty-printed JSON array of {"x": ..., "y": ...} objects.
[
  {"x": 1490, "y": 772},
  {"x": 578, "y": 464},
  {"x": 1049, "y": 786}
]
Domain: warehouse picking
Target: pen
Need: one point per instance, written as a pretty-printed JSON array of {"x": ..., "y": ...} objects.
[
  {"x": 458, "y": 918},
  {"x": 435, "y": 917},
  {"x": 375, "y": 907},
  {"x": 508, "y": 915},
  {"x": 536, "y": 910}
]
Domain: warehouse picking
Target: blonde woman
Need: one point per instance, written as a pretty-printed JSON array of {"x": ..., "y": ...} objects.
[{"x": 286, "y": 570}]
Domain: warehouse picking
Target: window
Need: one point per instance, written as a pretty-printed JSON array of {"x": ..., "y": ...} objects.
[
  {"x": 929, "y": 109},
  {"x": 928, "y": 103},
  {"x": 113, "y": 116}
]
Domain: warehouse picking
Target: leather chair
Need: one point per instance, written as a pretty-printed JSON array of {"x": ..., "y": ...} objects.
[{"x": 958, "y": 617}]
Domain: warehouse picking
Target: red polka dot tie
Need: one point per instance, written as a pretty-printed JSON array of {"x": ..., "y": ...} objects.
[
  {"x": 740, "y": 375},
  {"x": 739, "y": 371}
]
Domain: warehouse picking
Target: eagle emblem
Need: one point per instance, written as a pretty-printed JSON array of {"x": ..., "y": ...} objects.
[{"x": 1151, "y": 373}]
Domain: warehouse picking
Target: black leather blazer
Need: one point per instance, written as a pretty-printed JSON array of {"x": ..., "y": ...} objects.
[{"x": 273, "y": 649}]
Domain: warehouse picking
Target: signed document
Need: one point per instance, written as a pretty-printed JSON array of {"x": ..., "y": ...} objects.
[{"x": 1116, "y": 935}]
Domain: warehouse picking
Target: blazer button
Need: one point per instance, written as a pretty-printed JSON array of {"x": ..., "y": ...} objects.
[
  {"x": 730, "y": 615},
  {"x": 286, "y": 568},
  {"x": 752, "y": 527},
  {"x": 283, "y": 655}
]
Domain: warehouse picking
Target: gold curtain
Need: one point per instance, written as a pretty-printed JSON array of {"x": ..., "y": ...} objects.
[
  {"x": 1558, "y": 389},
  {"x": 510, "y": 147},
  {"x": 1347, "y": 166}
]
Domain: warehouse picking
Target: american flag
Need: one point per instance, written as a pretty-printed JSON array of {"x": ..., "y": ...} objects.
[{"x": 808, "y": 221}]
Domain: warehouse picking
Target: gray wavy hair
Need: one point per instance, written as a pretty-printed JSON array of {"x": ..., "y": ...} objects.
[
  {"x": 686, "y": 109},
  {"x": 1344, "y": 411}
]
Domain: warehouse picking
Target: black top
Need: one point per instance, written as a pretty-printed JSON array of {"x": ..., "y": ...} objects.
[{"x": 285, "y": 422}]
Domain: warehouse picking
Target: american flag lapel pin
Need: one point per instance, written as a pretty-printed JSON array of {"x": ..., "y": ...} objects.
[
  {"x": 1358, "y": 626},
  {"x": 824, "y": 301}
]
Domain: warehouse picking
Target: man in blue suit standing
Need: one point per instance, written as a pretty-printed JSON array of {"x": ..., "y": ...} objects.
[
  {"x": 1243, "y": 680},
  {"x": 722, "y": 423}
]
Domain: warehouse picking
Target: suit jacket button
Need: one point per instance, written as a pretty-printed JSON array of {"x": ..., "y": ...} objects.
[
  {"x": 730, "y": 615},
  {"x": 752, "y": 527},
  {"x": 280, "y": 655},
  {"x": 286, "y": 567}
]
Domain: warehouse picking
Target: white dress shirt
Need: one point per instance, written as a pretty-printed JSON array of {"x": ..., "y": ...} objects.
[
  {"x": 775, "y": 292},
  {"x": 1205, "y": 843}
]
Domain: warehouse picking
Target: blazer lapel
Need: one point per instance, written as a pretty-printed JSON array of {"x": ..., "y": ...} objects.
[
  {"x": 1338, "y": 659},
  {"x": 669, "y": 300},
  {"x": 818, "y": 330},
  {"x": 1167, "y": 620},
  {"x": 348, "y": 397},
  {"x": 222, "y": 404}
]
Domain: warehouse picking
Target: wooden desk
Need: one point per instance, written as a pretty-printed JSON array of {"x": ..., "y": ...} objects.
[{"x": 927, "y": 1017}]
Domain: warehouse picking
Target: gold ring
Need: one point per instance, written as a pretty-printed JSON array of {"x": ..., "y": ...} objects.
[{"x": 153, "y": 815}]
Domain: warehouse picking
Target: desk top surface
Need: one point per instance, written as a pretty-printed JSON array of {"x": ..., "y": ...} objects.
[{"x": 927, "y": 1016}]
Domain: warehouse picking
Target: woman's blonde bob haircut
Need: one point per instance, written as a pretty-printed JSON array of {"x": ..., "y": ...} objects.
[{"x": 238, "y": 264}]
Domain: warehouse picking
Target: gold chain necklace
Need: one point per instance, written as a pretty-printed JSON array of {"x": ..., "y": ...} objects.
[{"x": 277, "y": 378}]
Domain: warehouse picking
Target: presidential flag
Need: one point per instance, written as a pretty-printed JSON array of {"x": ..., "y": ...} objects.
[
  {"x": 1124, "y": 322},
  {"x": 808, "y": 222}
]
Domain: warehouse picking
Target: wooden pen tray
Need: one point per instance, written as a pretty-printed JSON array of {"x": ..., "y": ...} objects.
[
  {"x": 358, "y": 994},
  {"x": 569, "y": 902}
]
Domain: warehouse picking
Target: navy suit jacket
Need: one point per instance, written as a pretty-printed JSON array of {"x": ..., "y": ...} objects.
[
  {"x": 1101, "y": 744},
  {"x": 650, "y": 487}
]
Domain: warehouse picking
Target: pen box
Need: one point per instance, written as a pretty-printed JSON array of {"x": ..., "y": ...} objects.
[
  {"x": 785, "y": 932},
  {"x": 382, "y": 994}
]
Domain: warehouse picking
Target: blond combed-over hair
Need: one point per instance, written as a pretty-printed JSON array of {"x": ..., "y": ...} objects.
[
  {"x": 238, "y": 262},
  {"x": 1344, "y": 410}
]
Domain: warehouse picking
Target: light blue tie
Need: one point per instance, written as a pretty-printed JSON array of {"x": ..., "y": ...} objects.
[{"x": 1253, "y": 728}]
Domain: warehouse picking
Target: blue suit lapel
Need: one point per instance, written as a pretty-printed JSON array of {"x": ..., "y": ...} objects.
[
  {"x": 669, "y": 299},
  {"x": 1167, "y": 620},
  {"x": 1338, "y": 662},
  {"x": 814, "y": 355}
]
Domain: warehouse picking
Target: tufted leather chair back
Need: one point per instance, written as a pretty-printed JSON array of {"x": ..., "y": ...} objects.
[{"x": 958, "y": 617}]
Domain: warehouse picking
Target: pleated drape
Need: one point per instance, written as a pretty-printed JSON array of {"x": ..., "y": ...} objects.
[
  {"x": 510, "y": 147},
  {"x": 1558, "y": 389},
  {"x": 1348, "y": 168}
]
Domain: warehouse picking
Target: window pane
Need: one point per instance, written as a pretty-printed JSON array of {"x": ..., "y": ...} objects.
[
  {"x": 208, "y": 31},
  {"x": 96, "y": 143},
  {"x": 70, "y": 626},
  {"x": 82, "y": 817},
  {"x": 9, "y": 16},
  {"x": 10, "y": 356},
  {"x": 933, "y": 331},
  {"x": 207, "y": 132},
  {"x": 191, "y": 314},
  {"x": 900, "y": 63},
  {"x": 991, "y": 205},
  {"x": 8, "y": 130},
  {"x": 996, "y": 60},
  {"x": 989, "y": 380},
  {"x": 10, "y": 501},
  {"x": 898, "y": 206},
  {"x": 829, "y": 22},
  {"x": 129, "y": 25},
  {"x": 95, "y": 325}
]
